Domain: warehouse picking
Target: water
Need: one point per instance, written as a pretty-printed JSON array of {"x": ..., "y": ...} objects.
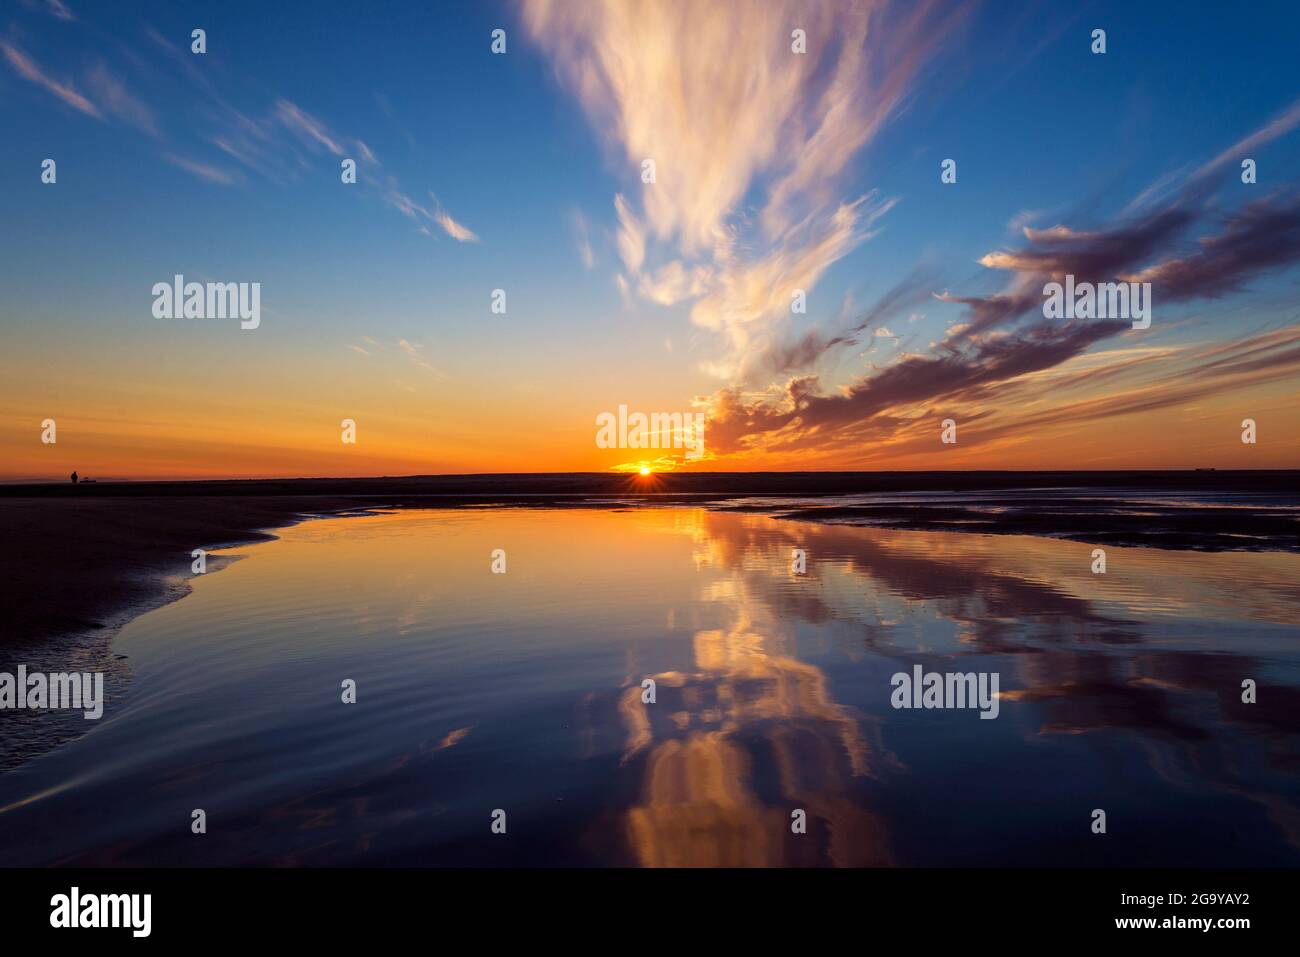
[{"x": 522, "y": 692}]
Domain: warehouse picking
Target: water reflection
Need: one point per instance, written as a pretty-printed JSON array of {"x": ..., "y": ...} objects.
[
  {"x": 735, "y": 746},
  {"x": 524, "y": 692},
  {"x": 1147, "y": 651}
]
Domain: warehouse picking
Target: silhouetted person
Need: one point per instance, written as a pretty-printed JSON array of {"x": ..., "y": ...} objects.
[{"x": 74, "y": 478}]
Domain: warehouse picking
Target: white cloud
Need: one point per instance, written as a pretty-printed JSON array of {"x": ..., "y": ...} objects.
[
  {"x": 457, "y": 231},
  {"x": 750, "y": 140}
]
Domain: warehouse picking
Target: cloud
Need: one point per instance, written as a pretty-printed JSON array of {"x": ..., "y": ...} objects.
[
  {"x": 309, "y": 129},
  {"x": 802, "y": 417},
  {"x": 781, "y": 356},
  {"x": 27, "y": 68},
  {"x": 991, "y": 361},
  {"x": 1144, "y": 245},
  {"x": 1147, "y": 247},
  {"x": 1283, "y": 123},
  {"x": 673, "y": 283},
  {"x": 276, "y": 144},
  {"x": 366, "y": 152},
  {"x": 59, "y": 10},
  {"x": 631, "y": 235},
  {"x": 454, "y": 229},
  {"x": 457, "y": 231},
  {"x": 112, "y": 94},
  {"x": 582, "y": 231},
  {"x": 731, "y": 116},
  {"x": 434, "y": 214},
  {"x": 405, "y": 205},
  {"x": 1093, "y": 255},
  {"x": 211, "y": 174},
  {"x": 801, "y": 353},
  {"x": 743, "y": 293},
  {"x": 413, "y": 351},
  {"x": 1263, "y": 235}
]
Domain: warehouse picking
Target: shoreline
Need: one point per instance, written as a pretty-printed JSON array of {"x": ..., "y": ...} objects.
[
  {"x": 502, "y": 486},
  {"x": 80, "y": 636}
]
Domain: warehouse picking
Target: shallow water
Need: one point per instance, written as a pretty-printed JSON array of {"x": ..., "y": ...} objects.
[{"x": 523, "y": 692}]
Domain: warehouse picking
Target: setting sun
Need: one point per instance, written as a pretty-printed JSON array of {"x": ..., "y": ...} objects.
[{"x": 645, "y": 470}]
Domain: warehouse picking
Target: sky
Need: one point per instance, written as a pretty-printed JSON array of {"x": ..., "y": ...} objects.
[{"x": 781, "y": 178}]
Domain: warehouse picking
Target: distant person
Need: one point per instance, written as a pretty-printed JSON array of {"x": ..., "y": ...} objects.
[{"x": 74, "y": 478}]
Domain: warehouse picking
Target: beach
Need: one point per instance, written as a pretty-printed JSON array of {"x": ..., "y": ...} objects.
[{"x": 85, "y": 559}]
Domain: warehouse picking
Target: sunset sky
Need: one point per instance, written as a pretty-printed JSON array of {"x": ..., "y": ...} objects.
[{"x": 775, "y": 171}]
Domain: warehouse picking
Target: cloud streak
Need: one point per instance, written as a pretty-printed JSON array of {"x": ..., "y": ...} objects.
[
  {"x": 112, "y": 93},
  {"x": 728, "y": 112},
  {"x": 28, "y": 69},
  {"x": 203, "y": 171},
  {"x": 992, "y": 360},
  {"x": 306, "y": 127}
]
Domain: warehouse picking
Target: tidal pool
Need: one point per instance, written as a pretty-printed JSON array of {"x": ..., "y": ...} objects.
[{"x": 523, "y": 693}]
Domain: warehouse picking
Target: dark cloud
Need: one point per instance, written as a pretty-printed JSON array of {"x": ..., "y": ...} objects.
[
  {"x": 807, "y": 418},
  {"x": 1259, "y": 237},
  {"x": 804, "y": 352},
  {"x": 993, "y": 346}
]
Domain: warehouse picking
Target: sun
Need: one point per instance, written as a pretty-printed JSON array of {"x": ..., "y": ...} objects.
[{"x": 645, "y": 470}]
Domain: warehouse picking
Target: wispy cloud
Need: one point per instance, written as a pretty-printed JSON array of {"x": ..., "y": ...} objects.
[
  {"x": 276, "y": 143},
  {"x": 111, "y": 92},
  {"x": 211, "y": 174},
  {"x": 434, "y": 214},
  {"x": 1280, "y": 125},
  {"x": 417, "y": 357},
  {"x": 457, "y": 231},
  {"x": 1184, "y": 177},
  {"x": 28, "y": 69},
  {"x": 725, "y": 109},
  {"x": 59, "y": 10},
  {"x": 583, "y": 233},
  {"x": 309, "y": 129},
  {"x": 1001, "y": 355},
  {"x": 366, "y": 152},
  {"x": 1262, "y": 236}
]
